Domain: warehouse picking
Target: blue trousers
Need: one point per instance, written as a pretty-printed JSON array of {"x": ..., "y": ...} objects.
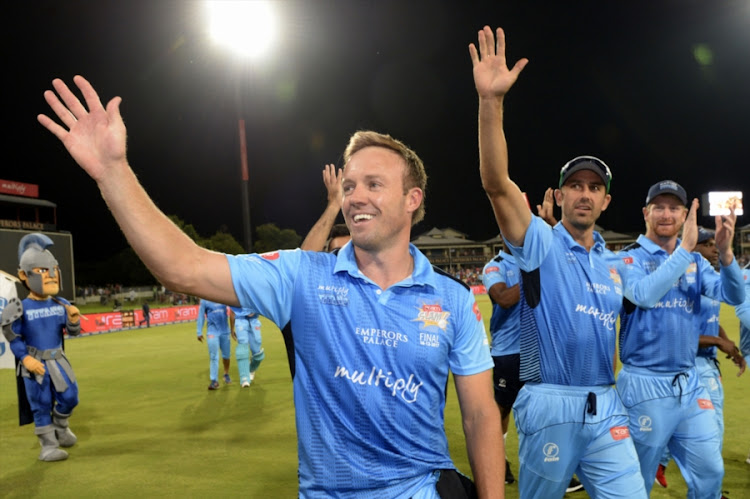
[
  {"x": 674, "y": 410},
  {"x": 570, "y": 429},
  {"x": 216, "y": 343}
]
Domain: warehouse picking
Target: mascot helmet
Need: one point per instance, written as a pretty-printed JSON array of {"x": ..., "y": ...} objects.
[{"x": 33, "y": 253}]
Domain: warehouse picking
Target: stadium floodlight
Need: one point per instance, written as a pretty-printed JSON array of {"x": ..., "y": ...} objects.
[{"x": 246, "y": 27}]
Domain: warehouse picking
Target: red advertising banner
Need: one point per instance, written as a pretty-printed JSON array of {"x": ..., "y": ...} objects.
[
  {"x": 479, "y": 290},
  {"x": 19, "y": 188},
  {"x": 130, "y": 319}
]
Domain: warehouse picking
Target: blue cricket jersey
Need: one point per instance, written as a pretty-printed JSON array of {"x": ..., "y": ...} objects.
[
  {"x": 370, "y": 365},
  {"x": 708, "y": 324},
  {"x": 743, "y": 314},
  {"x": 569, "y": 307},
  {"x": 505, "y": 323},
  {"x": 659, "y": 326},
  {"x": 41, "y": 326},
  {"x": 216, "y": 315}
]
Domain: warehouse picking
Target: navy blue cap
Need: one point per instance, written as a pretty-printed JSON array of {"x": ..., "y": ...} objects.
[
  {"x": 666, "y": 187},
  {"x": 704, "y": 235}
]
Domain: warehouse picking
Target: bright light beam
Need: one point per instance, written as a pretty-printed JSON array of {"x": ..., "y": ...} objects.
[{"x": 246, "y": 27}]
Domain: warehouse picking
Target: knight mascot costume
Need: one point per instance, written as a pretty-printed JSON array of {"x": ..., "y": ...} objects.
[{"x": 47, "y": 389}]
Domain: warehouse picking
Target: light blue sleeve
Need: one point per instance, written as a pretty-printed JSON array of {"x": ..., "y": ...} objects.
[
  {"x": 536, "y": 244},
  {"x": 743, "y": 314},
  {"x": 645, "y": 290},
  {"x": 493, "y": 273},
  {"x": 264, "y": 284},
  {"x": 471, "y": 349},
  {"x": 728, "y": 286},
  {"x": 201, "y": 318}
]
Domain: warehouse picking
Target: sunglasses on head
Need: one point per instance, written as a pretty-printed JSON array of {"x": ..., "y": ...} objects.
[{"x": 603, "y": 168}]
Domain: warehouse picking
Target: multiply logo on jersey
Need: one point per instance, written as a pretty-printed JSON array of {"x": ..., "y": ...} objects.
[
  {"x": 432, "y": 315},
  {"x": 644, "y": 422},
  {"x": 551, "y": 450}
]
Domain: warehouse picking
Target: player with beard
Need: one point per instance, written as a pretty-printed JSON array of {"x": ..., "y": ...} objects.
[
  {"x": 568, "y": 415},
  {"x": 659, "y": 383},
  {"x": 712, "y": 338}
]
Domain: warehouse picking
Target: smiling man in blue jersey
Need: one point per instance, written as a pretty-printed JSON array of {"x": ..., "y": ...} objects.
[
  {"x": 372, "y": 332},
  {"x": 664, "y": 281},
  {"x": 712, "y": 338},
  {"x": 568, "y": 415}
]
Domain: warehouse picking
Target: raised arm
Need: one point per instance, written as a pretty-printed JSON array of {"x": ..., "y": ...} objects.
[
  {"x": 318, "y": 235},
  {"x": 493, "y": 80},
  {"x": 96, "y": 139}
]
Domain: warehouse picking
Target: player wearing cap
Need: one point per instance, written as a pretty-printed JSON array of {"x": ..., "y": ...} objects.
[
  {"x": 712, "y": 338},
  {"x": 568, "y": 415},
  {"x": 663, "y": 281}
]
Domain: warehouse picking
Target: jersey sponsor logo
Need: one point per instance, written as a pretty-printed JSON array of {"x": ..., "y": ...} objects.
[
  {"x": 405, "y": 388},
  {"x": 477, "y": 312},
  {"x": 492, "y": 269},
  {"x": 608, "y": 320},
  {"x": 713, "y": 385},
  {"x": 619, "y": 432},
  {"x": 41, "y": 313},
  {"x": 705, "y": 404},
  {"x": 684, "y": 303},
  {"x": 433, "y": 315},
  {"x": 628, "y": 260},
  {"x": 382, "y": 337},
  {"x": 429, "y": 340},
  {"x": 644, "y": 422},
  {"x": 615, "y": 276},
  {"x": 692, "y": 268},
  {"x": 598, "y": 288},
  {"x": 273, "y": 255},
  {"x": 570, "y": 257},
  {"x": 333, "y": 295},
  {"x": 551, "y": 451}
]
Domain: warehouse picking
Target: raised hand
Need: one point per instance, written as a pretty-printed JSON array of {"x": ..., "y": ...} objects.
[
  {"x": 725, "y": 235},
  {"x": 332, "y": 181},
  {"x": 492, "y": 77},
  {"x": 546, "y": 209},
  {"x": 690, "y": 227},
  {"x": 96, "y": 137}
]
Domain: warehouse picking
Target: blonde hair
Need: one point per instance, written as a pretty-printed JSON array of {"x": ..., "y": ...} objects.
[{"x": 415, "y": 174}]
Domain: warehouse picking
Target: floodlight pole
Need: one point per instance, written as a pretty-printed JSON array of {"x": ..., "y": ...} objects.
[{"x": 244, "y": 185}]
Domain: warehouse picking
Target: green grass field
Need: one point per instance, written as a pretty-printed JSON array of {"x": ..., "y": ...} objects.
[{"x": 148, "y": 427}]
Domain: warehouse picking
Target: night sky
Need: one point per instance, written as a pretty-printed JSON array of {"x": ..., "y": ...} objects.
[{"x": 657, "y": 89}]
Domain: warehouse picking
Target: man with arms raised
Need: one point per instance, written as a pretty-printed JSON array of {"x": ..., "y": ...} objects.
[
  {"x": 568, "y": 416},
  {"x": 375, "y": 329},
  {"x": 663, "y": 282}
]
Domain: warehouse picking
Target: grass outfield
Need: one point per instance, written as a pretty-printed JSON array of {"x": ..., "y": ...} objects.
[{"x": 147, "y": 426}]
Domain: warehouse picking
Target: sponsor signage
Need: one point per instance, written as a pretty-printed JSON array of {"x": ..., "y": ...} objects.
[
  {"x": 127, "y": 319},
  {"x": 19, "y": 188}
]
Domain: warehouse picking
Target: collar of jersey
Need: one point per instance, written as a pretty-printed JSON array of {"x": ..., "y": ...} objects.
[
  {"x": 507, "y": 256},
  {"x": 652, "y": 247},
  {"x": 422, "y": 274},
  {"x": 599, "y": 243}
]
